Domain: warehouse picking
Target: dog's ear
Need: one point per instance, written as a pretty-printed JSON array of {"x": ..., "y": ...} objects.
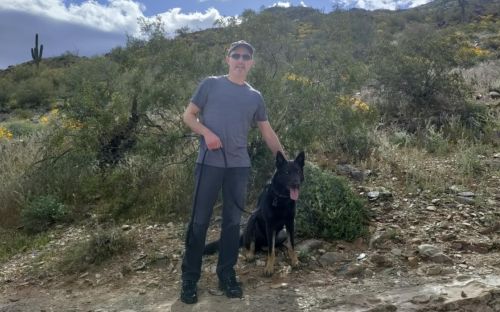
[
  {"x": 300, "y": 159},
  {"x": 280, "y": 159}
]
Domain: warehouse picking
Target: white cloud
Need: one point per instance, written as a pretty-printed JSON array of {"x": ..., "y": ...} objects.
[
  {"x": 303, "y": 4},
  {"x": 174, "y": 19},
  {"x": 379, "y": 4},
  {"x": 281, "y": 4},
  {"x": 87, "y": 29},
  {"x": 115, "y": 16}
]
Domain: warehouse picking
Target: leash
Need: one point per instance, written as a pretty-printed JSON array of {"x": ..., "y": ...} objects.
[{"x": 202, "y": 165}]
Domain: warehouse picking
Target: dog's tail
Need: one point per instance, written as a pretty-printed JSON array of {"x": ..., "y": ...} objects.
[{"x": 213, "y": 247}]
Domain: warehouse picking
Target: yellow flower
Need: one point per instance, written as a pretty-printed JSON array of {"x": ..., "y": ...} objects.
[
  {"x": 5, "y": 133},
  {"x": 72, "y": 124},
  {"x": 297, "y": 78},
  {"x": 354, "y": 103},
  {"x": 44, "y": 120}
]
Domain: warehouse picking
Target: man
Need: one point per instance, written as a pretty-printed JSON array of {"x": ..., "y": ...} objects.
[{"x": 222, "y": 110}]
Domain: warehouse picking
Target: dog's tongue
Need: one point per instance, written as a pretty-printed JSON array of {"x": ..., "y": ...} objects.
[{"x": 294, "y": 193}]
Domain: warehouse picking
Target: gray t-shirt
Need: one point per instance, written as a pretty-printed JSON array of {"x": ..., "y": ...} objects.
[{"x": 228, "y": 110}]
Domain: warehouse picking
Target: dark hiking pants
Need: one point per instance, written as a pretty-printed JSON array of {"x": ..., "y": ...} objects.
[{"x": 209, "y": 181}]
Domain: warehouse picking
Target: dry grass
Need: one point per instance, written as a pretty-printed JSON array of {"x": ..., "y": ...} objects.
[
  {"x": 16, "y": 156},
  {"x": 421, "y": 170},
  {"x": 484, "y": 76}
]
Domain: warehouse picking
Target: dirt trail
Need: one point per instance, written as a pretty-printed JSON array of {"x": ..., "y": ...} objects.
[{"x": 425, "y": 254}]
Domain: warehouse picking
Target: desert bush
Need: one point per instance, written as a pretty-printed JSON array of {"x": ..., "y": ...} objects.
[
  {"x": 33, "y": 93},
  {"x": 418, "y": 83},
  {"x": 103, "y": 245},
  {"x": 401, "y": 138},
  {"x": 350, "y": 129},
  {"x": 42, "y": 212},
  {"x": 139, "y": 188},
  {"x": 16, "y": 157},
  {"x": 434, "y": 140},
  {"x": 328, "y": 208},
  {"x": 22, "y": 128},
  {"x": 468, "y": 161}
]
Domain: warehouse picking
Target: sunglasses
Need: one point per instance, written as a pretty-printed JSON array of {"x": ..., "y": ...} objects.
[{"x": 237, "y": 56}]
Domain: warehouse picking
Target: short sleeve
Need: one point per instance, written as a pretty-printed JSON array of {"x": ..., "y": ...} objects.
[
  {"x": 261, "y": 113},
  {"x": 200, "y": 96}
]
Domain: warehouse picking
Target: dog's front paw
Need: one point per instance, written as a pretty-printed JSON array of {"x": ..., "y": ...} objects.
[
  {"x": 269, "y": 269},
  {"x": 250, "y": 256}
]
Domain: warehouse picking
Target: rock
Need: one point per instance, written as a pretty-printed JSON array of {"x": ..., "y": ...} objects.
[
  {"x": 430, "y": 208},
  {"x": 494, "y": 94},
  {"x": 413, "y": 262},
  {"x": 478, "y": 247},
  {"x": 465, "y": 200},
  {"x": 377, "y": 239},
  {"x": 396, "y": 252},
  {"x": 492, "y": 229},
  {"x": 384, "y": 308},
  {"x": 279, "y": 285},
  {"x": 420, "y": 299},
  {"x": 373, "y": 195},
  {"x": 381, "y": 261},
  {"x": 331, "y": 258},
  {"x": 126, "y": 227},
  {"x": 433, "y": 270},
  {"x": 441, "y": 258},
  {"x": 427, "y": 251},
  {"x": 309, "y": 246},
  {"x": 466, "y": 194},
  {"x": 353, "y": 172},
  {"x": 454, "y": 189},
  {"x": 355, "y": 270}
]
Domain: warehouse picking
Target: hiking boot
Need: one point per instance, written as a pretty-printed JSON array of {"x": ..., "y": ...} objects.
[
  {"x": 231, "y": 287},
  {"x": 189, "y": 292}
]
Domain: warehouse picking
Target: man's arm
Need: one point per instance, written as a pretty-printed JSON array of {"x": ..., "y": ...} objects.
[
  {"x": 270, "y": 137},
  {"x": 190, "y": 118}
]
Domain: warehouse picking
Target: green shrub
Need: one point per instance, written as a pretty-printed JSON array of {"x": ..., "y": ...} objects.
[
  {"x": 103, "y": 245},
  {"x": 13, "y": 242},
  {"x": 435, "y": 141},
  {"x": 41, "y": 212},
  {"x": 328, "y": 208},
  {"x": 23, "y": 128},
  {"x": 468, "y": 161},
  {"x": 401, "y": 138}
]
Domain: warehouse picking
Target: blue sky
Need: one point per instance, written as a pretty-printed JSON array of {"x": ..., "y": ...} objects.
[{"x": 93, "y": 27}]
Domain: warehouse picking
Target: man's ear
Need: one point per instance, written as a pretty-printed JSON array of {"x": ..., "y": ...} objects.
[
  {"x": 300, "y": 159},
  {"x": 280, "y": 159}
]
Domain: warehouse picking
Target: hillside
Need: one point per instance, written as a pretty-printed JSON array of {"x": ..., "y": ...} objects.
[{"x": 396, "y": 110}]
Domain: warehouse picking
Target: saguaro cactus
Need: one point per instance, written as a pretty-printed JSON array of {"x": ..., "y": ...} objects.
[{"x": 35, "y": 53}]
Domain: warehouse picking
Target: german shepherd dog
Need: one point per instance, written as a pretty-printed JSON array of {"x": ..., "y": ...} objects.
[{"x": 275, "y": 214}]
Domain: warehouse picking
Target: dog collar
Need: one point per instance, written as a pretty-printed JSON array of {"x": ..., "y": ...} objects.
[{"x": 275, "y": 193}]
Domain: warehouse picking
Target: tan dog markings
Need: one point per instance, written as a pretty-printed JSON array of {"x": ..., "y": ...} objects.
[
  {"x": 269, "y": 269},
  {"x": 291, "y": 252},
  {"x": 250, "y": 254}
]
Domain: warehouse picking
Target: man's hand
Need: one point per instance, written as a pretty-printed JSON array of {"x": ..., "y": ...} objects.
[
  {"x": 213, "y": 141},
  {"x": 190, "y": 118}
]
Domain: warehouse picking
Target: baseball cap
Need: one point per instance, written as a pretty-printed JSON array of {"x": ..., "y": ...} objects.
[{"x": 241, "y": 43}]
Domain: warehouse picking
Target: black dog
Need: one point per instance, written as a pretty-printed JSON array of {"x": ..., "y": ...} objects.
[{"x": 275, "y": 212}]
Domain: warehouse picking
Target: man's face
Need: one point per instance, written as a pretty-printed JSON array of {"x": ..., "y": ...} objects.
[{"x": 240, "y": 61}]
